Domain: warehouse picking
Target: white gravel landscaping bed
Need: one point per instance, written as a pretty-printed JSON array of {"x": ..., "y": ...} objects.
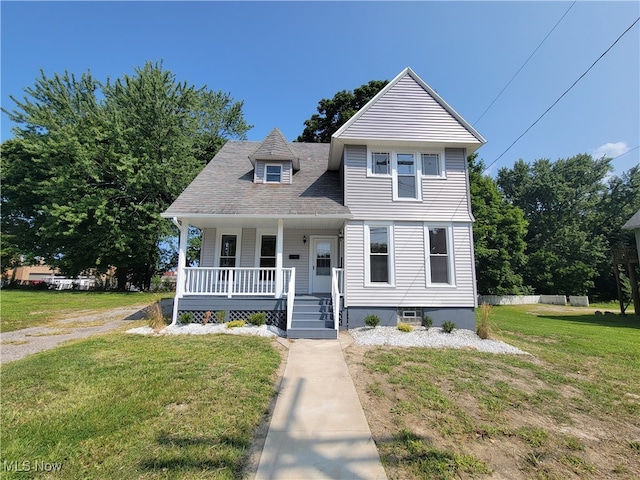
[
  {"x": 198, "y": 329},
  {"x": 433, "y": 337}
]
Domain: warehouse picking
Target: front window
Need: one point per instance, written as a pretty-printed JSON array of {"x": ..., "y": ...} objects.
[
  {"x": 379, "y": 254},
  {"x": 406, "y": 176},
  {"x": 439, "y": 255},
  {"x": 273, "y": 173}
]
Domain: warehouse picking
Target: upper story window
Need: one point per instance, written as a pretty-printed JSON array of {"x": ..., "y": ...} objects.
[
  {"x": 380, "y": 163},
  {"x": 405, "y": 169},
  {"x": 273, "y": 174},
  {"x": 406, "y": 176},
  {"x": 431, "y": 165}
]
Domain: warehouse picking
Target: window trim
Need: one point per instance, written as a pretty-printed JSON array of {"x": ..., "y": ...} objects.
[
  {"x": 442, "y": 174},
  {"x": 367, "y": 255},
  {"x": 450, "y": 255},
  {"x": 266, "y": 167},
  {"x": 370, "y": 170},
  {"x": 228, "y": 231},
  {"x": 261, "y": 232},
  {"x": 417, "y": 177}
]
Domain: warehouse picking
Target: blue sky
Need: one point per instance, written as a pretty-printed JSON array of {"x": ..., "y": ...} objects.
[{"x": 282, "y": 58}]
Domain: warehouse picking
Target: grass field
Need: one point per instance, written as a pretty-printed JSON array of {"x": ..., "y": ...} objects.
[
  {"x": 569, "y": 410},
  {"x": 122, "y": 406},
  {"x": 25, "y": 308}
]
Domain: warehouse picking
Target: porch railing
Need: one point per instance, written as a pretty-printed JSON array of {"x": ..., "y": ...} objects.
[
  {"x": 291, "y": 295},
  {"x": 228, "y": 282},
  {"x": 337, "y": 290}
]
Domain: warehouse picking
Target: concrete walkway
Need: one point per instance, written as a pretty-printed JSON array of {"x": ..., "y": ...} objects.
[{"x": 318, "y": 429}]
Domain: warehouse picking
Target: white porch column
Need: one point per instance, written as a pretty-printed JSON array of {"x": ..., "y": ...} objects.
[
  {"x": 279, "y": 248},
  {"x": 182, "y": 261}
]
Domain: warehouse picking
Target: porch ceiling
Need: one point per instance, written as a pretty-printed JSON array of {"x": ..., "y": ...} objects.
[{"x": 295, "y": 223}]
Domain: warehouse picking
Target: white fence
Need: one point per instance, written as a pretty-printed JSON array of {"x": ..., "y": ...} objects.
[{"x": 575, "y": 301}]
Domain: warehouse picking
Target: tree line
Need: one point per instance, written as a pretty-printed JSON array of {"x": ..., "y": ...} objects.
[{"x": 92, "y": 165}]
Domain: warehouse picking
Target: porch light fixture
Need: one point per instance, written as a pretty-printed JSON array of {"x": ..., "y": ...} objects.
[{"x": 304, "y": 239}]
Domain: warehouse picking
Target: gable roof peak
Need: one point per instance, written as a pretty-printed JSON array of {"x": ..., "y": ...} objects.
[
  {"x": 422, "y": 116},
  {"x": 275, "y": 147}
]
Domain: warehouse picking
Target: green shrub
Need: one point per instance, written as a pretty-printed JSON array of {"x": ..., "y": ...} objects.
[
  {"x": 186, "y": 318},
  {"x": 427, "y": 321},
  {"x": 258, "y": 318},
  {"x": 372, "y": 320},
  {"x": 220, "y": 316},
  {"x": 405, "y": 327},
  {"x": 236, "y": 323},
  {"x": 448, "y": 326}
]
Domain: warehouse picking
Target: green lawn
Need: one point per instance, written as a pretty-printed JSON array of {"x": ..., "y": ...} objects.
[
  {"x": 25, "y": 308},
  {"x": 570, "y": 410},
  {"x": 125, "y": 406}
]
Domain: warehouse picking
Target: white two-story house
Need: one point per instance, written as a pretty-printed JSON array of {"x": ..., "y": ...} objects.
[{"x": 319, "y": 236}]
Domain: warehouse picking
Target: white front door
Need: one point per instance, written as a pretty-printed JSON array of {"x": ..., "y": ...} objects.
[{"x": 323, "y": 259}]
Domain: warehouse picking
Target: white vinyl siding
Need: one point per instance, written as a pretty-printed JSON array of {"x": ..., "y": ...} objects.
[
  {"x": 407, "y": 112},
  {"x": 208, "y": 247},
  {"x": 371, "y": 197},
  {"x": 248, "y": 242},
  {"x": 409, "y": 265}
]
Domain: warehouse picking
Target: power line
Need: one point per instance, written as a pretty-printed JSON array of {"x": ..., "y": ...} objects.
[
  {"x": 560, "y": 97},
  {"x": 628, "y": 151},
  {"x": 526, "y": 61}
]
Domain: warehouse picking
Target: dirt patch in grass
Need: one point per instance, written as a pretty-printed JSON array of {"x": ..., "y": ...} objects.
[{"x": 443, "y": 414}]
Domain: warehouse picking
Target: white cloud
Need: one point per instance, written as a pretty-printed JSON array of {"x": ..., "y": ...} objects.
[{"x": 611, "y": 150}]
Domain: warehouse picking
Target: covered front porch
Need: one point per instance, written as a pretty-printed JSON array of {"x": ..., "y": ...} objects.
[{"x": 289, "y": 268}]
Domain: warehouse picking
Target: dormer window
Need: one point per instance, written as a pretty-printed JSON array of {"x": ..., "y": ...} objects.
[{"x": 273, "y": 174}]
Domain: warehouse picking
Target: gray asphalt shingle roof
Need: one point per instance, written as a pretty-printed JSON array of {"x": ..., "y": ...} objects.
[
  {"x": 633, "y": 222},
  {"x": 275, "y": 147},
  {"x": 225, "y": 186}
]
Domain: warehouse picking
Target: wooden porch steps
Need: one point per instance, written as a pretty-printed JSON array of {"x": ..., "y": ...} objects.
[{"x": 312, "y": 318}]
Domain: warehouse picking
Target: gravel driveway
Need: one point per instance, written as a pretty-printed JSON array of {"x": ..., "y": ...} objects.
[{"x": 20, "y": 343}]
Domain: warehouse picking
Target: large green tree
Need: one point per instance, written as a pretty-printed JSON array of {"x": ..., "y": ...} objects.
[
  {"x": 620, "y": 202},
  {"x": 498, "y": 235},
  {"x": 560, "y": 201},
  {"x": 334, "y": 112},
  {"x": 93, "y": 164}
]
